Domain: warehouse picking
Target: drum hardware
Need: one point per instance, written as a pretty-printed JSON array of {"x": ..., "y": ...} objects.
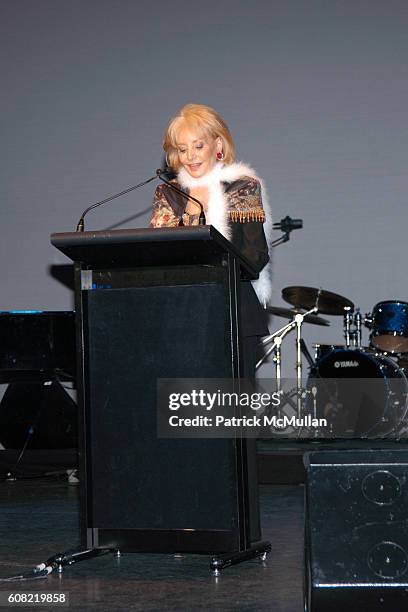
[
  {"x": 316, "y": 300},
  {"x": 276, "y": 340},
  {"x": 357, "y": 323},
  {"x": 352, "y": 327},
  {"x": 313, "y": 394},
  {"x": 289, "y": 408},
  {"x": 326, "y": 302},
  {"x": 368, "y": 320},
  {"x": 299, "y": 321},
  {"x": 287, "y": 313},
  {"x": 286, "y": 409},
  {"x": 299, "y": 318},
  {"x": 290, "y": 313},
  {"x": 347, "y": 324}
]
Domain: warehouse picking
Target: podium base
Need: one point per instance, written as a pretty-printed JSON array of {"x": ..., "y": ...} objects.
[{"x": 220, "y": 562}]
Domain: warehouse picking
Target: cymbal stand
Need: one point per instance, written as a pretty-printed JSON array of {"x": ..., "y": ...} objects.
[
  {"x": 276, "y": 339},
  {"x": 278, "y": 362},
  {"x": 298, "y": 320}
]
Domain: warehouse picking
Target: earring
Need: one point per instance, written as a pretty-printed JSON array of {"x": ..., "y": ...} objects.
[{"x": 220, "y": 156}]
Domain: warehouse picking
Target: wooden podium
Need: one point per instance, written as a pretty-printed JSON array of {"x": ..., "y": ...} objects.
[{"x": 151, "y": 304}]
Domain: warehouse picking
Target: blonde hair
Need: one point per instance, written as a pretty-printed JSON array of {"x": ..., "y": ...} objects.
[{"x": 202, "y": 119}]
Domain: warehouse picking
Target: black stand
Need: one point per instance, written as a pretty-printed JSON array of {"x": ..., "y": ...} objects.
[{"x": 154, "y": 304}]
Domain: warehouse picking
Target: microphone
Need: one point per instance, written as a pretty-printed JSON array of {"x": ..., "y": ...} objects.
[
  {"x": 201, "y": 219},
  {"x": 159, "y": 174},
  {"x": 81, "y": 224},
  {"x": 288, "y": 224}
]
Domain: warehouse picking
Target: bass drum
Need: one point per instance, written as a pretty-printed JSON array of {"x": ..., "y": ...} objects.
[
  {"x": 321, "y": 350},
  {"x": 359, "y": 394}
]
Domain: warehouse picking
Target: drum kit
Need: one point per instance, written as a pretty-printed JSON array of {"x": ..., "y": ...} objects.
[{"x": 361, "y": 391}]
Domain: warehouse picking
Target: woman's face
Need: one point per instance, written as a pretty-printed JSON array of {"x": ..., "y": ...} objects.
[{"x": 197, "y": 153}]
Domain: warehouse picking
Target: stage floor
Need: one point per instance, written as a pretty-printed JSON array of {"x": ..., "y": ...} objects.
[{"x": 39, "y": 517}]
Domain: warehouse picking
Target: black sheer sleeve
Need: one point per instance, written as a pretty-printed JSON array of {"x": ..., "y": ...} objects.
[{"x": 249, "y": 239}]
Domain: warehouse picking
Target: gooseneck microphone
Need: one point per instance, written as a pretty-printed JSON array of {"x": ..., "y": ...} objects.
[
  {"x": 201, "y": 219},
  {"x": 81, "y": 223}
]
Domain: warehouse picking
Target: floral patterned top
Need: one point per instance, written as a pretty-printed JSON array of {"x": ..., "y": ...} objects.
[
  {"x": 245, "y": 215},
  {"x": 243, "y": 198}
]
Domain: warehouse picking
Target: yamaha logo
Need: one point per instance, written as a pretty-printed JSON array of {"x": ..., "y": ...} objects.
[{"x": 346, "y": 364}]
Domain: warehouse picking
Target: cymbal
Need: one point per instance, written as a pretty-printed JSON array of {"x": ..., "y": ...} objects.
[
  {"x": 305, "y": 297},
  {"x": 289, "y": 313}
]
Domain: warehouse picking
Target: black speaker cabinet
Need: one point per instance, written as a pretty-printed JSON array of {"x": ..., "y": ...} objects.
[
  {"x": 357, "y": 531},
  {"x": 40, "y": 409}
]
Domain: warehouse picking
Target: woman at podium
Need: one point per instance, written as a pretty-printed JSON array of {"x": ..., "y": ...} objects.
[{"x": 200, "y": 151}]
